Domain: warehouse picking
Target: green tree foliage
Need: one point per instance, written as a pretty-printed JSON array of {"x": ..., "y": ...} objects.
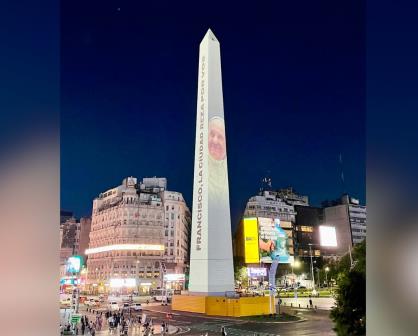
[
  {"x": 241, "y": 274},
  {"x": 349, "y": 315}
]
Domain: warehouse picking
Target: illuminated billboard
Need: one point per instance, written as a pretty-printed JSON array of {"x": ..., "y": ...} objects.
[
  {"x": 118, "y": 282},
  {"x": 273, "y": 241},
  {"x": 256, "y": 272},
  {"x": 74, "y": 264},
  {"x": 174, "y": 277},
  {"x": 327, "y": 236},
  {"x": 251, "y": 240}
]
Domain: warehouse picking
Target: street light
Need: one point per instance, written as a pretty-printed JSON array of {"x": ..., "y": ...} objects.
[
  {"x": 312, "y": 272},
  {"x": 326, "y": 273},
  {"x": 295, "y": 264},
  {"x": 137, "y": 276}
]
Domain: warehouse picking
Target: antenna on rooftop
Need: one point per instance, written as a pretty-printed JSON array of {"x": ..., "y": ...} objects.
[
  {"x": 266, "y": 182},
  {"x": 342, "y": 174}
]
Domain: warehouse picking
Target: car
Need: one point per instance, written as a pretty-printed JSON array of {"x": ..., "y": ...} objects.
[
  {"x": 113, "y": 305},
  {"x": 92, "y": 302},
  {"x": 125, "y": 305},
  {"x": 66, "y": 301},
  {"x": 136, "y": 306}
]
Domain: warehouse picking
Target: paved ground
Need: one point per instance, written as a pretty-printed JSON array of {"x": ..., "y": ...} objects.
[
  {"x": 316, "y": 322},
  {"x": 321, "y": 303}
]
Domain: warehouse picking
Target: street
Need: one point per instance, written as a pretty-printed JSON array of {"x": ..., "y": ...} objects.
[{"x": 314, "y": 322}]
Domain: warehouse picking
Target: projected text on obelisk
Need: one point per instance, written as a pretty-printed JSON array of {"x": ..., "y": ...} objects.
[{"x": 211, "y": 266}]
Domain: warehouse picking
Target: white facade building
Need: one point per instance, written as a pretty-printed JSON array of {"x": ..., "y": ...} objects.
[
  {"x": 127, "y": 242},
  {"x": 270, "y": 205}
]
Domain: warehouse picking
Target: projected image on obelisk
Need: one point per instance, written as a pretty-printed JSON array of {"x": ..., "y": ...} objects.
[{"x": 211, "y": 265}]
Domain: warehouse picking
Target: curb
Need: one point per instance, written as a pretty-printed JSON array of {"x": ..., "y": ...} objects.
[
  {"x": 230, "y": 319},
  {"x": 278, "y": 322}
]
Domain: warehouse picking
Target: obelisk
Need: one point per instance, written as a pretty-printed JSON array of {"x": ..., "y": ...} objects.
[{"x": 211, "y": 263}]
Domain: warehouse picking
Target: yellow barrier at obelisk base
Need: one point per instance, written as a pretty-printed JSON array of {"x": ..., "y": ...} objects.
[{"x": 222, "y": 306}]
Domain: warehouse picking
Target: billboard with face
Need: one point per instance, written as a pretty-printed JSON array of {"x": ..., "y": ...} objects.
[{"x": 273, "y": 241}]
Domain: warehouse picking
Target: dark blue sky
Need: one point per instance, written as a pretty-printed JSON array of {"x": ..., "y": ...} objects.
[{"x": 294, "y": 96}]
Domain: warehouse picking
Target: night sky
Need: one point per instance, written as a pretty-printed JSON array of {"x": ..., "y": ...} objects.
[{"x": 293, "y": 84}]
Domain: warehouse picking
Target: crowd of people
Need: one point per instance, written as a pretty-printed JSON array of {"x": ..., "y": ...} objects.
[{"x": 120, "y": 322}]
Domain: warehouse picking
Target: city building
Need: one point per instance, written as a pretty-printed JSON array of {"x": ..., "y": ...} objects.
[
  {"x": 268, "y": 204},
  {"x": 290, "y": 196},
  {"x": 84, "y": 236},
  {"x": 357, "y": 214},
  {"x": 70, "y": 238},
  {"x": 349, "y": 219},
  {"x": 65, "y": 215},
  {"x": 74, "y": 236},
  {"x": 176, "y": 232},
  {"x": 128, "y": 245},
  {"x": 308, "y": 219}
]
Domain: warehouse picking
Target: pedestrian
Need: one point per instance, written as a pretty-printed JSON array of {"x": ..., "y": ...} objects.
[
  {"x": 310, "y": 303},
  {"x": 125, "y": 328},
  {"x": 83, "y": 327},
  {"x": 223, "y": 331},
  {"x": 111, "y": 322}
]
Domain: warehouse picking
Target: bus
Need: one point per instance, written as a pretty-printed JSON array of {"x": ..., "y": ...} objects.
[{"x": 161, "y": 295}]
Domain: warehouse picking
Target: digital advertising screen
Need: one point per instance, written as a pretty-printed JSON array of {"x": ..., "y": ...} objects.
[
  {"x": 256, "y": 272},
  {"x": 74, "y": 264},
  {"x": 273, "y": 241},
  {"x": 327, "y": 236},
  {"x": 251, "y": 240}
]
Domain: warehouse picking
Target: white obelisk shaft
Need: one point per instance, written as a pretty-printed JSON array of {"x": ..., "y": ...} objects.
[{"x": 211, "y": 264}]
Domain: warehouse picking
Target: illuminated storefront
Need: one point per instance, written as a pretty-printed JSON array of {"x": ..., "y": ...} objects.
[{"x": 174, "y": 281}]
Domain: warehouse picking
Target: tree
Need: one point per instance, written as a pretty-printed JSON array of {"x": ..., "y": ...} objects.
[
  {"x": 349, "y": 315},
  {"x": 241, "y": 275}
]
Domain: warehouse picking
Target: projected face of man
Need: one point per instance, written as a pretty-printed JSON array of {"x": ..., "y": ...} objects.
[{"x": 217, "y": 146}]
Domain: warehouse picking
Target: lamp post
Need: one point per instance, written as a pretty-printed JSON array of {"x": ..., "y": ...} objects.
[
  {"x": 295, "y": 264},
  {"x": 319, "y": 280},
  {"x": 137, "y": 276},
  {"x": 312, "y": 272},
  {"x": 326, "y": 275}
]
